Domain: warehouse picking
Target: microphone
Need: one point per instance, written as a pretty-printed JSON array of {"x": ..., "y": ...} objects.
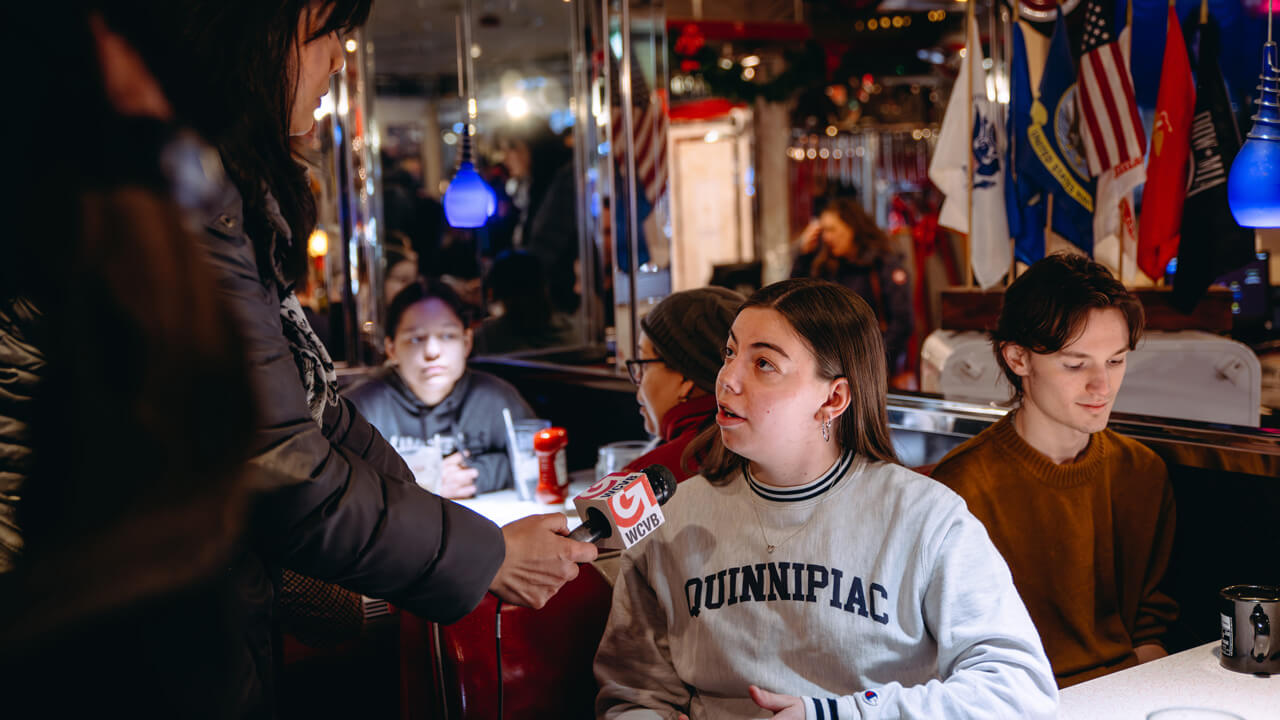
[{"x": 623, "y": 508}]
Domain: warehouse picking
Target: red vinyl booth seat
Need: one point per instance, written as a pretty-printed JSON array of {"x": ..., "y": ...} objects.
[{"x": 449, "y": 671}]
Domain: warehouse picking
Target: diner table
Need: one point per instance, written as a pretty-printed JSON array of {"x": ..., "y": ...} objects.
[
  {"x": 504, "y": 506},
  {"x": 1192, "y": 678}
]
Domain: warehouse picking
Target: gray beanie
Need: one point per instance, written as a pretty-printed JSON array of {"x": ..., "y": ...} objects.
[{"x": 689, "y": 329}]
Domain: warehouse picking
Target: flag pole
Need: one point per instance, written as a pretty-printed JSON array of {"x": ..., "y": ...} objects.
[
  {"x": 969, "y": 29},
  {"x": 1009, "y": 19},
  {"x": 1128, "y": 54}
]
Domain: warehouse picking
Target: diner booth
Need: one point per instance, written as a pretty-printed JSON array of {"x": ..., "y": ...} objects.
[{"x": 699, "y": 138}]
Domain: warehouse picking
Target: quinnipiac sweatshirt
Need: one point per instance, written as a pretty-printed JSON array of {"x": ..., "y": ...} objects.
[{"x": 882, "y": 598}]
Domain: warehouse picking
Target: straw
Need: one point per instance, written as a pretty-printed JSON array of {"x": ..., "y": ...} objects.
[
  {"x": 513, "y": 452},
  {"x": 511, "y": 428}
]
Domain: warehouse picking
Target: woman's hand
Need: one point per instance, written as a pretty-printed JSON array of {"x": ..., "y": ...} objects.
[
  {"x": 783, "y": 707},
  {"x": 810, "y": 237},
  {"x": 456, "y": 479}
]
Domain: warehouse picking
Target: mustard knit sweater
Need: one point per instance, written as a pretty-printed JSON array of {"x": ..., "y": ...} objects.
[{"x": 1087, "y": 541}]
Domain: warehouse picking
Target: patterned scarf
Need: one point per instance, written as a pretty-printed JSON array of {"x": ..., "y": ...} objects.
[{"x": 315, "y": 367}]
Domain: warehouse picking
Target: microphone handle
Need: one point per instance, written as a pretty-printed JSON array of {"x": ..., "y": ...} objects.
[{"x": 586, "y": 533}]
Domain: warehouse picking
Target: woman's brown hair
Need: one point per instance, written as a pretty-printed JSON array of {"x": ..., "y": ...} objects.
[
  {"x": 841, "y": 331},
  {"x": 869, "y": 240}
]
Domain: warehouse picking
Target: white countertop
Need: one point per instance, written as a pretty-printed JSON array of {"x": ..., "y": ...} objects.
[
  {"x": 1192, "y": 678},
  {"x": 505, "y": 506}
]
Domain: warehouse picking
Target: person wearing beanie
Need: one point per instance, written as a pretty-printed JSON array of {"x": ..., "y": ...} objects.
[{"x": 681, "y": 342}]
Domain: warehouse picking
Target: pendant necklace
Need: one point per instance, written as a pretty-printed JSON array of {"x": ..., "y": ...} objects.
[{"x": 770, "y": 547}]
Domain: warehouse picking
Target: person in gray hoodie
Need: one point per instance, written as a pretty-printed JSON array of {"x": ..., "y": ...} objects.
[{"x": 427, "y": 390}]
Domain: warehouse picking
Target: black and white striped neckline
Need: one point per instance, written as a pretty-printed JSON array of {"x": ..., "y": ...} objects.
[{"x": 808, "y": 491}]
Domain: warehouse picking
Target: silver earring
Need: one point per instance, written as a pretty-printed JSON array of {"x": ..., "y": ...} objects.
[{"x": 826, "y": 430}]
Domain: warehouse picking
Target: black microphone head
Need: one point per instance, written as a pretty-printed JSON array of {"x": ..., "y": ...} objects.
[{"x": 663, "y": 482}]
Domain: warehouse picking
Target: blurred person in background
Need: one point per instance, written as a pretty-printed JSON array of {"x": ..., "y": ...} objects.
[
  {"x": 426, "y": 390},
  {"x": 845, "y": 246},
  {"x": 522, "y": 315},
  {"x": 543, "y": 188},
  {"x": 402, "y": 266}
]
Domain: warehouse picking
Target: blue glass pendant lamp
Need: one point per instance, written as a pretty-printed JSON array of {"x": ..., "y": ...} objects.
[
  {"x": 1253, "y": 187},
  {"x": 469, "y": 201}
]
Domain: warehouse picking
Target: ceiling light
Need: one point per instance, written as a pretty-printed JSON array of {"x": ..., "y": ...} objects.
[{"x": 517, "y": 107}]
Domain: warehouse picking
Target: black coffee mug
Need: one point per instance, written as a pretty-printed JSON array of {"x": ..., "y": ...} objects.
[{"x": 1251, "y": 628}]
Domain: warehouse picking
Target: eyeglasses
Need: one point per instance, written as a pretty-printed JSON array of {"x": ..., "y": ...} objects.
[{"x": 635, "y": 368}]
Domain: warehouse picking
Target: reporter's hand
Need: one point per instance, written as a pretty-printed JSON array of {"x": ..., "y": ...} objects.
[
  {"x": 456, "y": 479},
  {"x": 539, "y": 560},
  {"x": 810, "y": 237},
  {"x": 783, "y": 707}
]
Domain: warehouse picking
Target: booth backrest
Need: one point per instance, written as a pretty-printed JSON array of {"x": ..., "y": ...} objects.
[{"x": 451, "y": 671}]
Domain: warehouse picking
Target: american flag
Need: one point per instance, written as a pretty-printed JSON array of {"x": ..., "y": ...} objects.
[
  {"x": 1113, "y": 131},
  {"x": 649, "y": 122}
]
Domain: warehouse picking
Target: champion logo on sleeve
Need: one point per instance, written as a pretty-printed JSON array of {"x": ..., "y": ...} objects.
[{"x": 870, "y": 697}]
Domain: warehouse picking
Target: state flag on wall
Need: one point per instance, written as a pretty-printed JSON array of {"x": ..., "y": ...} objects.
[
  {"x": 1024, "y": 200},
  {"x": 1057, "y": 161},
  {"x": 1159, "y": 224}
]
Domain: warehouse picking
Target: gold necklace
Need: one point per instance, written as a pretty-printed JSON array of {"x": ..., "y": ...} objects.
[{"x": 770, "y": 547}]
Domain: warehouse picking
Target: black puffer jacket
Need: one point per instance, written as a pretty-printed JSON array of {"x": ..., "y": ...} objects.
[
  {"x": 336, "y": 502},
  {"x": 474, "y": 408}
]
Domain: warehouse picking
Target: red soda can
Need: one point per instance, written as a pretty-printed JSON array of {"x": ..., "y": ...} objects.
[{"x": 553, "y": 476}]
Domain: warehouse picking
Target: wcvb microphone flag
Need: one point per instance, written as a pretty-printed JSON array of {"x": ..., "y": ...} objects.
[
  {"x": 1161, "y": 218},
  {"x": 626, "y": 503}
]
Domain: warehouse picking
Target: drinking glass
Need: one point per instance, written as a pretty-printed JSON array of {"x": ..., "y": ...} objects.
[
  {"x": 524, "y": 462},
  {"x": 611, "y": 458}
]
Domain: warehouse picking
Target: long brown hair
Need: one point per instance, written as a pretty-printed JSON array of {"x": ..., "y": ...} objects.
[
  {"x": 841, "y": 331},
  {"x": 869, "y": 241}
]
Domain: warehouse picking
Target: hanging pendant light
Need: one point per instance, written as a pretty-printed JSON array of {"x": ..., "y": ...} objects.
[
  {"x": 1253, "y": 187},
  {"x": 469, "y": 201}
]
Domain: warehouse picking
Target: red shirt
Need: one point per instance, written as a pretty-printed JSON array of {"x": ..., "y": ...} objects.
[{"x": 680, "y": 426}]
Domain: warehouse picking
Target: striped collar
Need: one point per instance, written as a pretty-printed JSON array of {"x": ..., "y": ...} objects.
[{"x": 808, "y": 491}]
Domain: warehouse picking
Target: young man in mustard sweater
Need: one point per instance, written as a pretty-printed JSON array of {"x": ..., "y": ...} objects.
[{"x": 1083, "y": 516}]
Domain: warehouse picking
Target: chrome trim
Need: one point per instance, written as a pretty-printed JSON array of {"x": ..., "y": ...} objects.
[{"x": 922, "y": 413}]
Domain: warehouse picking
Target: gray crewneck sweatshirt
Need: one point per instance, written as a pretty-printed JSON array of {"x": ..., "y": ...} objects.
[{"x": 883, "y": 598}]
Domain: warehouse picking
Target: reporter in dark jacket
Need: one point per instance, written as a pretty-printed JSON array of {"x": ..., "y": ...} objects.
[
  {"x": 427, "y": 389},
  {"x": 333, "y": 500}
]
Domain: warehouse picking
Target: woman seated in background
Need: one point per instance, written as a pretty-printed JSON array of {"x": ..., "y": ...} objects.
[
  {"x": 522, "y": 314},
  {"x": 426, "y": 389},
  {"x": 844, "y": 246},
  {"x": 681, "y": 342},
  {"x": 805, "y": 569}
]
